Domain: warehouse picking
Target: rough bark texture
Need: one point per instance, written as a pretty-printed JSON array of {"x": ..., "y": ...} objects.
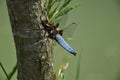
[{"x": 33, "y": 48}]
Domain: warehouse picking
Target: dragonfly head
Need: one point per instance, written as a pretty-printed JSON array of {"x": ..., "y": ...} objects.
[{"x": 51, "y": 29}]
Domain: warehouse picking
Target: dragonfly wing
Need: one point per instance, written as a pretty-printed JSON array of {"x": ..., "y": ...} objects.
[
  {"x": 62, "y": 20},
  {"x": 69, "y": 31}
]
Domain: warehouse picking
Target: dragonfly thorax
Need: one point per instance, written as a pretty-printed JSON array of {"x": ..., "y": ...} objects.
[{"x": 51, "y": 29}]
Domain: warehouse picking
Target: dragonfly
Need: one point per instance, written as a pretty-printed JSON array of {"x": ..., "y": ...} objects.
[{"x": 56, "y": 34}]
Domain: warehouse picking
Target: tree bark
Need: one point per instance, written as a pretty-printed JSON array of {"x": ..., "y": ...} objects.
[{"x": 33, "y": 48}]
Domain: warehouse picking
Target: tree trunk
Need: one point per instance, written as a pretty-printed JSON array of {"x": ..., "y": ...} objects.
[{"x": 33, "y": 48}]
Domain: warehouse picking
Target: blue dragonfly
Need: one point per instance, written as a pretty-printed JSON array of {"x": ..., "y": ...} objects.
[
  {"x": 59, "y": 35},
  {"x": 56, "y": 34}
]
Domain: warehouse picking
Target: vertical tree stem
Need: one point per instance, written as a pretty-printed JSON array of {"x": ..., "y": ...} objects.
[{"x": 33, "y": 49}]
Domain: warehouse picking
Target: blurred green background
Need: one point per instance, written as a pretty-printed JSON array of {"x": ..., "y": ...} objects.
[{"x": 96, "y": 40}]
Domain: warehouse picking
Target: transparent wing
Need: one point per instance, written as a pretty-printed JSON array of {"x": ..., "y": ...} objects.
[
  {"x": 69, "y": 31},
  {"x": 62, "y": 21}
]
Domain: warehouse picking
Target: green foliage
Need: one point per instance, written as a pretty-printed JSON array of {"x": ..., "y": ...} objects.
[
  {"x": 12, "y": 72},
  {"x": 9, "y": 76},
  {"x": 62, "y": 76},
  {"x": 4, "y": 70},
  {"x": 55, "y": 10}
]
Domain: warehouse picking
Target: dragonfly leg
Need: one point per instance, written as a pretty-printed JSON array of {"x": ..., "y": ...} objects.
[
  {"x": 57, "y": 25},
  {"x": 61, "y": 32}
]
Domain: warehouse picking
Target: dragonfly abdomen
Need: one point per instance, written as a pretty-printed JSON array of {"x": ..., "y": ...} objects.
[{"x": 64, "y": 44}]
